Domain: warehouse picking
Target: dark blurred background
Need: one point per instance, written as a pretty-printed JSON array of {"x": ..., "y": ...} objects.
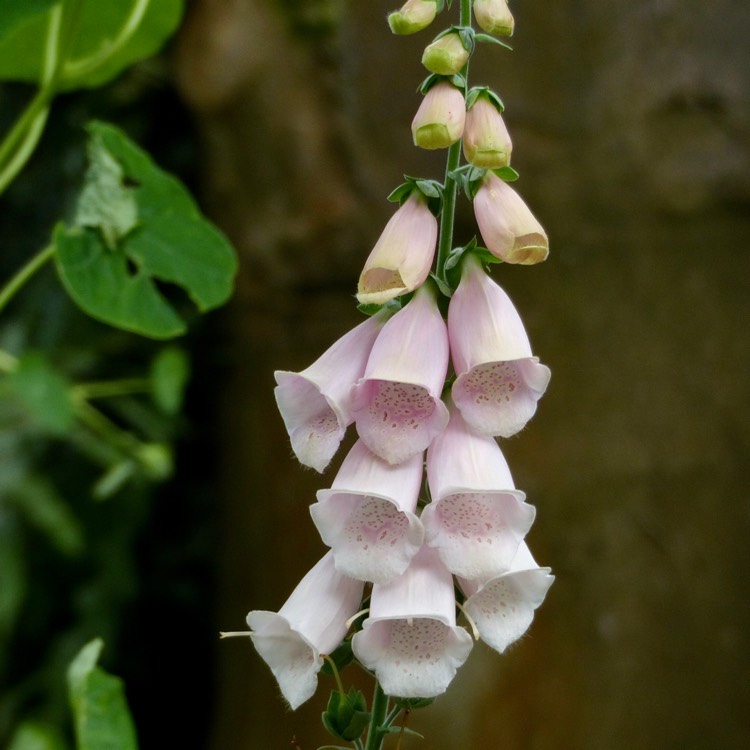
[{"x": 290, "y": 121}]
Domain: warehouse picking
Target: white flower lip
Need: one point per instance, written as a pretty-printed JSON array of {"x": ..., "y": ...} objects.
[
  {"x": 396, "y": 404},
  {"x": 312, "y": 622},
  {"x": 368, "y": 516},
  {"x": 315, "y": 403},
  {"x": 498, "y": 380}
]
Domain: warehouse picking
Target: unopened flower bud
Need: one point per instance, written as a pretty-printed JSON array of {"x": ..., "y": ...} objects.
[
  {"x": 439, "y": 121},
  {"x": 494, "y": 17},
  {"x": 446, "y": 55},
  {"x": 414, "y": 16},
  {"x": 507, "y": 225},
  {"x": 486, "y": 139}
]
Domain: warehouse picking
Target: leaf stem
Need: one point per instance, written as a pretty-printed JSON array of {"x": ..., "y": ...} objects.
[
  {"x": 110, "y": 388},
  {"x": 22, "y": 276},
  {"x": 448, "y": 213},
  {"x": 378, "y": 712}
]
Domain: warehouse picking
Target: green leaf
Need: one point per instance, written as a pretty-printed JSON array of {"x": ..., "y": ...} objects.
[
  {"x": 18, "y": 12},
  {"x": 32, "y": 735},
  {"x": 100, "y": 712},
  {"x": 94, "y": 60},
  {"x": 172, "y": 242},
  {"x": 44, "y": 392},
  {"x": 507, "y": 173},
  {"x": 346, "y": 716},
  {"x": 170, "y": 372}
]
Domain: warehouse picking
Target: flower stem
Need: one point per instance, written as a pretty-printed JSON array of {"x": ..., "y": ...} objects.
[
  {"x": 378, "y": 712},
  {"x": 9, "y": 290},
  {"x": 447, "y": 215}
]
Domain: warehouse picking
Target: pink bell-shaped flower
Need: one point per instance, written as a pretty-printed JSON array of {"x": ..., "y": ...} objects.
[
  {"x": 498, "y": 380},
  {"x": 477, "y": 518},
  {"x": 402, "y": 256},
  {"x": 410, "y": 638},
  {"x": 502, "y": 607},
  {"x": 439, "y": 121},
  {"x": 315, "y": 403},
  {"x": 312, "y": 622},
  {"x": 396, "y": 404},
  {"x": 494, "y": 17},
  {"x": 486, "y": 141},
  {"x": 508, "y": 228},
  {"x": 368, "y": 516}
]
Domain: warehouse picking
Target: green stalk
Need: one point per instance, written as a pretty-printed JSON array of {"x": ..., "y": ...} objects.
[
  {"x": 447, "y": 215},
  {"x": 378, "y": 710},
  {"x": 10, "y": 289}
]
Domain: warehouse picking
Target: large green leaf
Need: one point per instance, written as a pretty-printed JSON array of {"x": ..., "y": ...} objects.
[
  {"x": 100, "y": 712},
  {"x": 14, "y": 13},
  {"x": 137, "y": 224},
  {"x": 33, "y": 735},
  {"x": 99, "y": 23}
]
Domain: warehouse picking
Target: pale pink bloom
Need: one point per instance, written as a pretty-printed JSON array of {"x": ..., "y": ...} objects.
[
  {"x": 315, "y": 404},
  {"x": 439, "y": 121},
  {"x": 402, "y": 256},
  {"x": 494, "y": 17},
  {"x": 396, "y": 405},
  {"x": 508, "y": 228},
  {"x": 498, "y": 380},
  {"x": 486, "y": 140},
  {"x": 477, "y": 518},
  {"x": 368, "y": 516},
  {"x": 312, "y": 622},
  {"x": 502, "y": 607},
  {"x": 410, "y": 638},
  {"x": 413, "y": 16}
]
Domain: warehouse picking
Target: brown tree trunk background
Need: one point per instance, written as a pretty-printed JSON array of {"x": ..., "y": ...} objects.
[{"x": 631, "y": 132}]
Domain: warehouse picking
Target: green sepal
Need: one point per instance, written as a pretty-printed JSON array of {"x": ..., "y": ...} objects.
[
  {"x": 393, "y": 305},
  {"x": 431, "y": 190},
  {"x": 466, "y": 35},
  {"x": 346, "y": 716},
  {"x": 457, "y": 80},
  {"x": 492, "y": 39},
  {"x": 342, "y": 657},
  {"x": 476, "y": 91},
  {"x": 508, "y": 174},
  {"x": 443, "y": 286},
  {"x": 440, "y": 4},
  {"x": 403, "y": 730}
]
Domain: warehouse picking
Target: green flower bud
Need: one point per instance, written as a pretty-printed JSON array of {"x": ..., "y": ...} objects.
[
  {"x": 446, "y": 55},
  {"x": 486, "y": 139},
  {"x": 494, "y": 17},
  {"x": 414, "y": 16},
  {"x": 439, "y": 121}
]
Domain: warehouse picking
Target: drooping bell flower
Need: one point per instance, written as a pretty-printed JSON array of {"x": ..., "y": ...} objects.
[
  {"x": 439, "y": 121},
  {"x": 413, "y": 16},
  {"x": 368, "y": 516},
  {"x": 486, "y": 140},
  {"x": 494, "y": 17},
  {"x": 502, "y": 607},
  {"x": 498, "y": 380},
  {"x": 396, "y": 404},
  {"x": 508, "y": 228},
  {"x": 446, "y": 55},
  {"x": 477, "y": 518},
  {"x": 402, "y": 256},
  {"x": 315, "y": 403},
  {"x": 312, "y": 622},
  {"x": 410, "y": 638}
]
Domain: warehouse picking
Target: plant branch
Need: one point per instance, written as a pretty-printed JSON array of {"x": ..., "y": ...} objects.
[{"x": 22, "y": 276}]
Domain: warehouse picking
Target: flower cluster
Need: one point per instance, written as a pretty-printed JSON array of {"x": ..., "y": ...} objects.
[{"x": 423, "y": 508}]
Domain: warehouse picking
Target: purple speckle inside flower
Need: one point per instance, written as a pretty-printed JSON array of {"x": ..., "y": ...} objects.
[
  {"x": 493, "y": 383},
  {"x": 417, "y": 643},
  {"x": 376, "y": 523},
  {"x": 472, "y": 515}
]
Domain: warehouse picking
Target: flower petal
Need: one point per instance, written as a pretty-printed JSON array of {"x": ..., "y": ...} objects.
[{"x": 368, "y": 516}]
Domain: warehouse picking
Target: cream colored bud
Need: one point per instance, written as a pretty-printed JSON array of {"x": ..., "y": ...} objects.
[
  {"x": 486, "y": 139},
  {"x": 439, "y": 121},
  {"x": 414, "y": 16},
  {"x": 446, "y": 55},
  {"x": 508, "y": 228},
  {"x": 494, "y": 17}
]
